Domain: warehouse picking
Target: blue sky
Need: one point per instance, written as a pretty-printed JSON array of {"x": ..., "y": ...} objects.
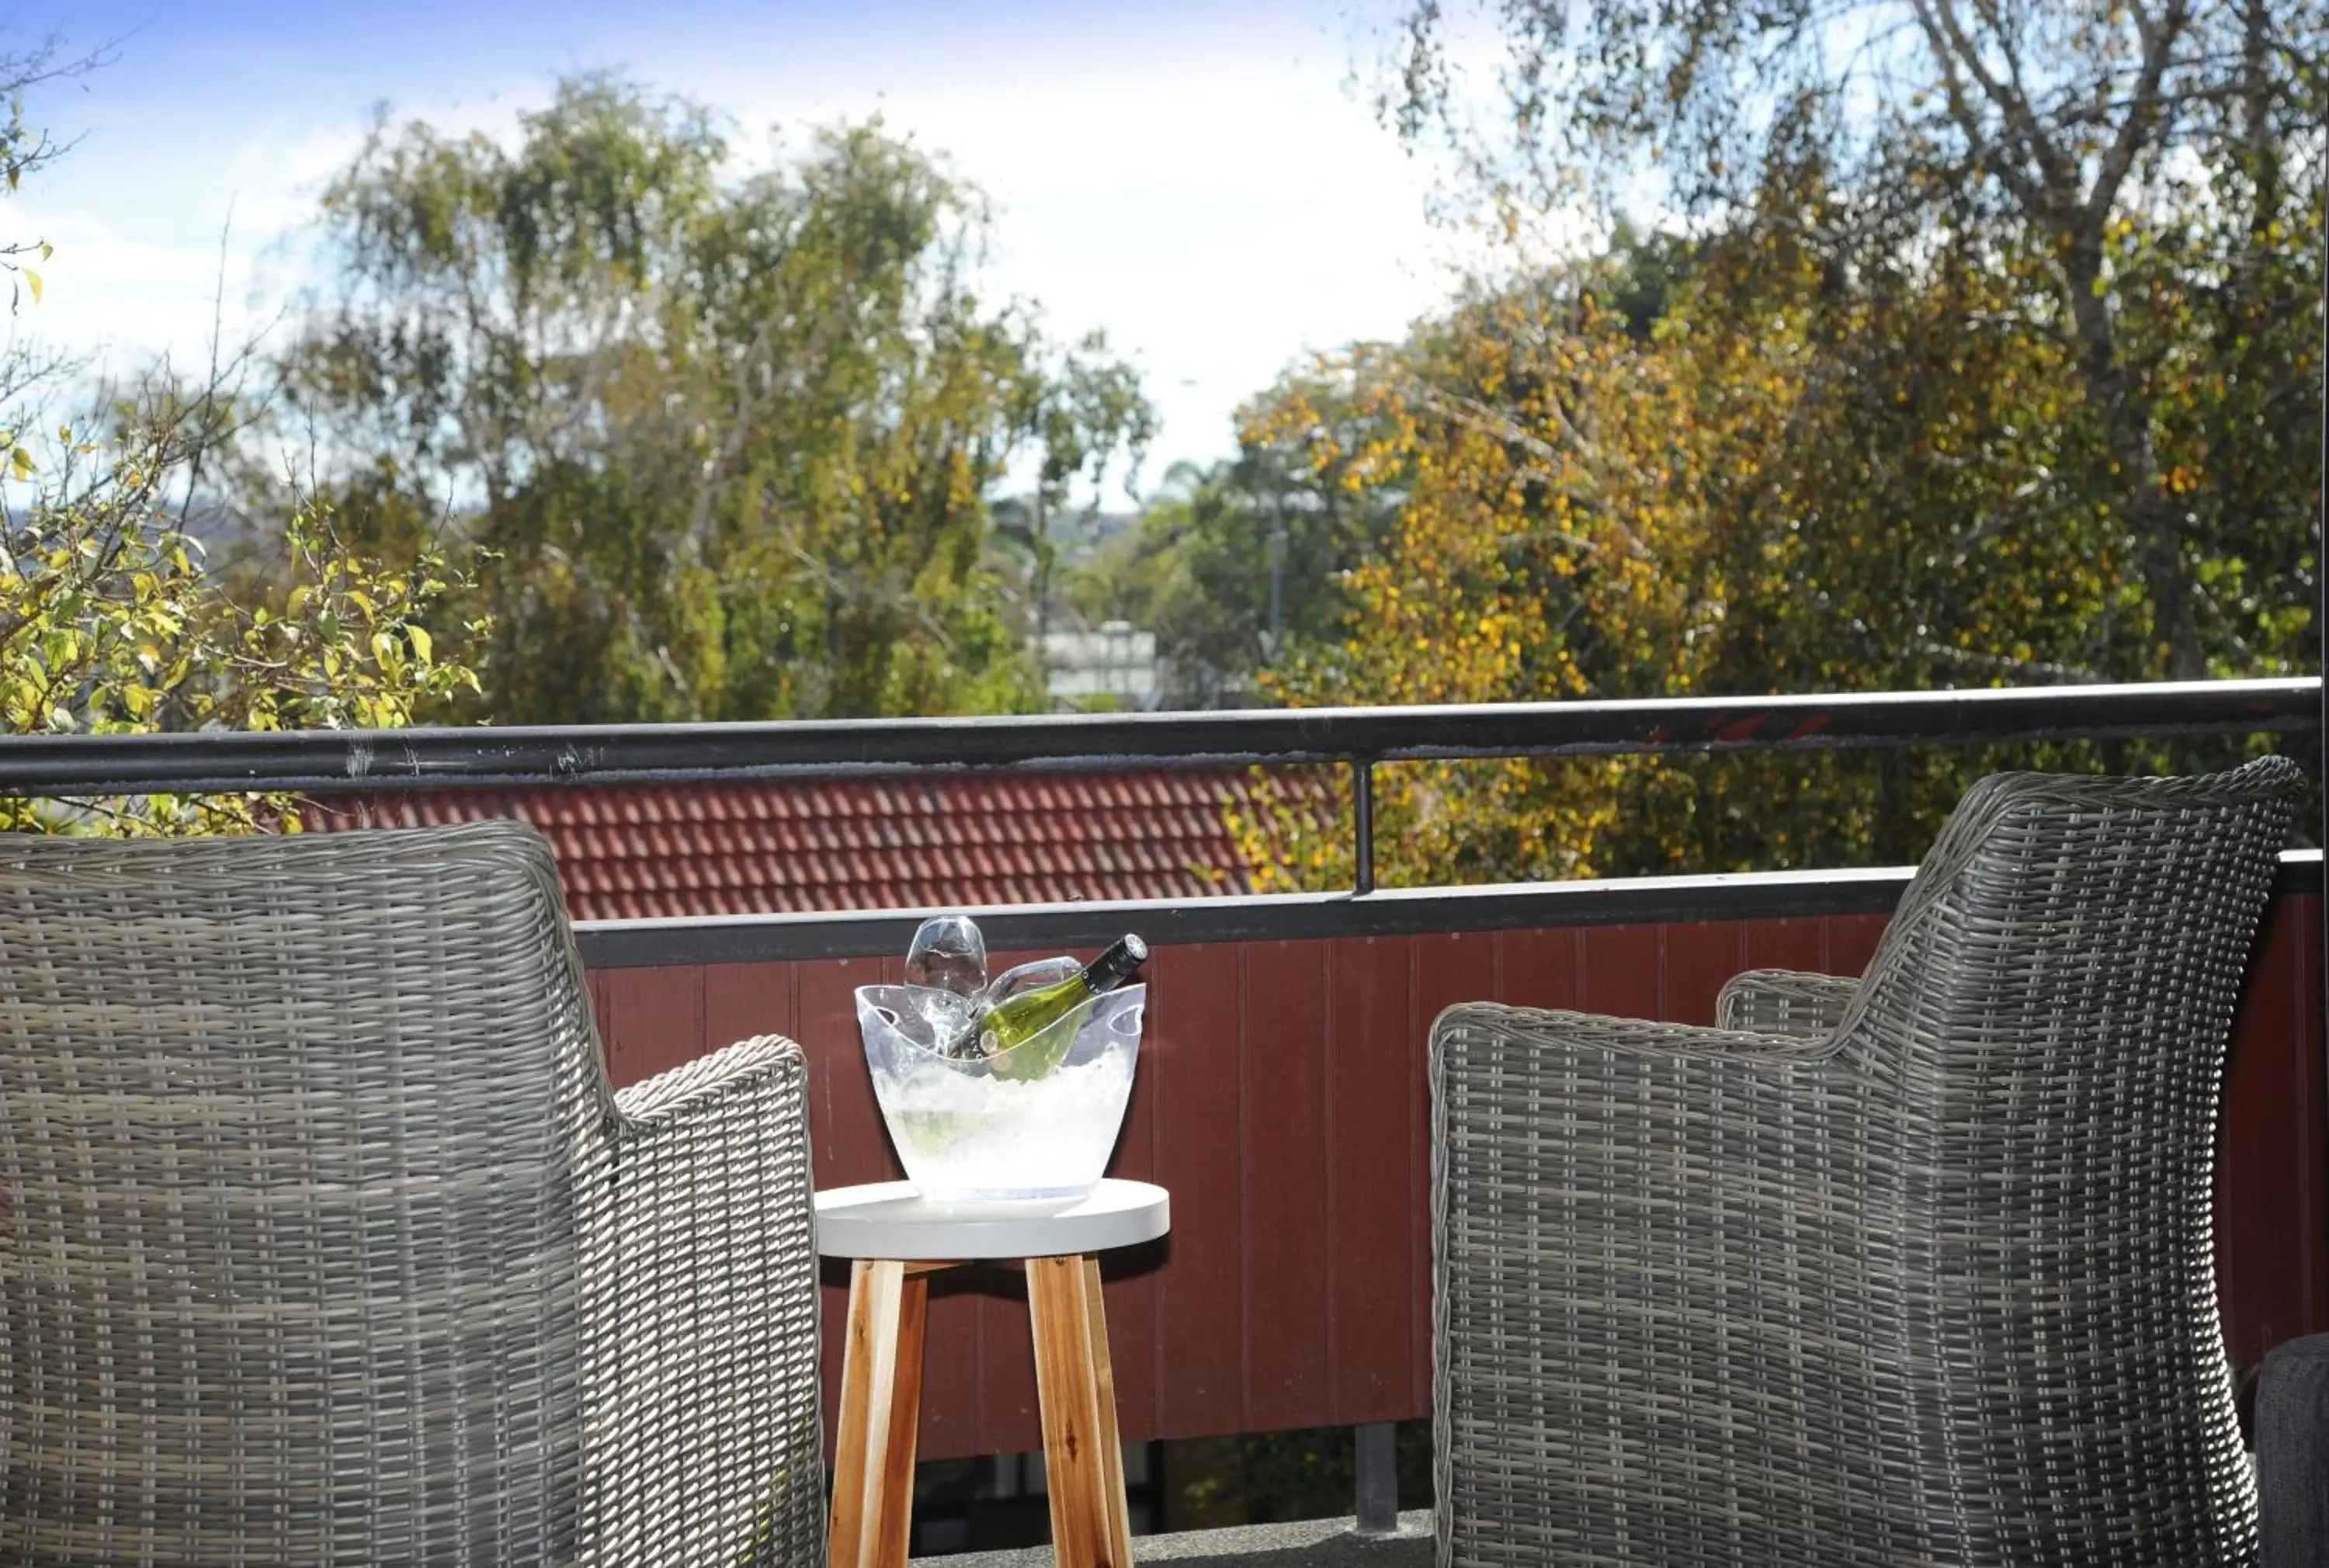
[{"x": 1197, "y": 179}]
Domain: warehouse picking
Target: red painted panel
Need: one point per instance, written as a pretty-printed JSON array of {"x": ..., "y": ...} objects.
[
  {"x": 1789, "y": 943},
  {"x": 1852, "y": 942},
  {"x": 1192, "y": 1059},
  {"x": 1130, "y": 1277},
  {"x": 1282, "y": 1098},
  {"x": 1696, "y": 961},
  {"x": 2270, "y": 1250},
  {"x": 1370, "y": 1175},
  {"x": 848, "y": 1138},
  {"x": 1618, "y": 970},
  {"x": 1535, "y": 968},
  {"x": 846, "y": 1144},
  {"x": 2309, "y": 1105},
  {"x": 1457, "y": 967},
  {"x": 1287, "y": 1274},
  {"x": 744, "y": 1000},
  {"x": 595, "y": 982},
  {"x": 654, "y": 1021},
  {"x": 950, "y": 1368},
  {"x": 1009, "y": 1419},
  {"x": 2258, "y": 1293}
]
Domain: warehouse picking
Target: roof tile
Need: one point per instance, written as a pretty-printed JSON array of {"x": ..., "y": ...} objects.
[{"x": 679, "y": 850}]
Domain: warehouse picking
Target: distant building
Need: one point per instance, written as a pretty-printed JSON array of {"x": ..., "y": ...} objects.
[{"x": 1113, "y": 660}]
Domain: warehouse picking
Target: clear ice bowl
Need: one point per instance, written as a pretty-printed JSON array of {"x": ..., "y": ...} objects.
[{"x": 965, "y": 1135}]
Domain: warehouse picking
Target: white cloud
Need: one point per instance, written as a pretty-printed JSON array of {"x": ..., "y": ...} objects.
[
  {"x": 1219, "y": 211},
  {"x": 1218, "y": 217}
]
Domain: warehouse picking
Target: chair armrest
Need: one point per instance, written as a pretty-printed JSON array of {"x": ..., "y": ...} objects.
[
  {"x": 703, "y": 1300},
  {"x": 1548, "y": 1028},
  {"x": 693, "y": 1089},
  {"x": 1784, "y": 1001}
]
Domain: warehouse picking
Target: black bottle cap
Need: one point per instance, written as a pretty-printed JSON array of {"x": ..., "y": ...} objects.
[{"x": 1114, "y": 967}]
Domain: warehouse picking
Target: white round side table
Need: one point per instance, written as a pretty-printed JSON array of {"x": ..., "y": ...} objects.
[{"x": 898, "y": 1240}]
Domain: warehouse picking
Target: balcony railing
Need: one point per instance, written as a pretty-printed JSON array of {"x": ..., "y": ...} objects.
[
  {"x": 324, "y": 762},
  {"x": 1281, "y": 1096}
]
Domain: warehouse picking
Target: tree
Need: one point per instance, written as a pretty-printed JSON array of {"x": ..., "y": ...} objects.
[
  {"x": 1239, "y": 565},
  {"x": 1988, "y": 354},
  {"x": 1084, "y": 414},
  {"x": 2149, "y": 161},
  {"x": 1548, "y": 542},
  {"x": 1789, "y": 478},
  {"x": 110, "y": 624},
  {"x": 111, "y": 619},
  {"x": 728, "y": 439}
]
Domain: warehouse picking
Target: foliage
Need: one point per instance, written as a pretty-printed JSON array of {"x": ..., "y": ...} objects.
[
  {"x": 112, "y": 620},
  {"x": 1802, "y": 476},
  {"x": 1086, "y": 412},
  {"x": 1239, "y": 566},
  {"x": 730, "y": 438},
  {"x": 2145, "y": 171},
  {"x": 111, "y": 623},
  {"x": 1988, "y": 353}
]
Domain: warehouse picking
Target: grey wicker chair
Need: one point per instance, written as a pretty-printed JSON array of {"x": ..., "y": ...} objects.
[
  {"x": 323, "y": 1239},
  {"x": 1913, "y": 1269}
]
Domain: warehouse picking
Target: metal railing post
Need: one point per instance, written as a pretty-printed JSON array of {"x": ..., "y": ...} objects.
[
  {"x": 2321, "y": 609},
  {"x": 1362, "y": 797},
  {"x": 1376, "y": 1451}
]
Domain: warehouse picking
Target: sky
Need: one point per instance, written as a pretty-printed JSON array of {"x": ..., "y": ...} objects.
[{"x": 1199, "y": 179}]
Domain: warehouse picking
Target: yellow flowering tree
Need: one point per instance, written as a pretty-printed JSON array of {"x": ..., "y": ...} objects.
[
  {"x": 113, "y": 622},
  {"x": 1770, "y": 477}
]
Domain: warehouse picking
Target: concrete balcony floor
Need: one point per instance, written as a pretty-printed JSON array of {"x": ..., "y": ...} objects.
[{"x": 1306, "y": 1544}]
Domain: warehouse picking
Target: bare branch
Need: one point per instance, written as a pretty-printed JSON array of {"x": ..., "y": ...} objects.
[{"x": 2159, "y": 39}]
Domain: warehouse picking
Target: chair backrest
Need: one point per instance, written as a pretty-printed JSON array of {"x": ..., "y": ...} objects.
[
  {"x": 2078, "y": 913},
  {"x": 2051, "y": 1010},
  {"x": 289, "y": 1134}
]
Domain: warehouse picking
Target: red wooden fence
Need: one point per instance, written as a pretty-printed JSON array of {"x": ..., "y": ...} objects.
[{"x": 1281, "y": 1098}]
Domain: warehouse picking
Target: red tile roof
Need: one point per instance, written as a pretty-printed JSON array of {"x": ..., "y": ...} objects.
[{"x": 626, "y": 852}]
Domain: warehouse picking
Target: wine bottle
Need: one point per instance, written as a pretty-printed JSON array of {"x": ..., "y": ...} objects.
[
  {"x": 1027, "y": 976},
  {"x": 1018, "y": 1020}
]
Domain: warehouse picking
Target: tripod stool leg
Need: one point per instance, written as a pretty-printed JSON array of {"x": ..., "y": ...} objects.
[
  {"x": 1083, "y": 1460},
  {"x": 880, "y": 1408}
]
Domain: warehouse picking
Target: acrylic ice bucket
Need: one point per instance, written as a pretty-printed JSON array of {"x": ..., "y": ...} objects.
[{"x": 966, "y": 1133}]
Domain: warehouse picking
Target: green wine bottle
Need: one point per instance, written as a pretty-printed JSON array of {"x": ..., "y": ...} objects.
[{"x": 1020, "y": 1019}]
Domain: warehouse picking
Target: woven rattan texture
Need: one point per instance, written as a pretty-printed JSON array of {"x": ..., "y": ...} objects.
[
  {"x": 1919, "y": 1273},
  {"x": 323, "y": 1242}
]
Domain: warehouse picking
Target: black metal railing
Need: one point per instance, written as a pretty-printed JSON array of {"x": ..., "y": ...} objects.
[{"x": 326, "y": 762}]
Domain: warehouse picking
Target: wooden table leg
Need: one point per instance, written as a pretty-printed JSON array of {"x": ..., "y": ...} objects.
[
  {"x": 881, "y": 1408},
  {"x": 1083, "y": 1461}
]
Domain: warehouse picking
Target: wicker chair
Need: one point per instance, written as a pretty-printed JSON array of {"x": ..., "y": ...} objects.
[
  {"x": 323, "y": 1239},
  {"x": 1912, "y": 1269}
]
